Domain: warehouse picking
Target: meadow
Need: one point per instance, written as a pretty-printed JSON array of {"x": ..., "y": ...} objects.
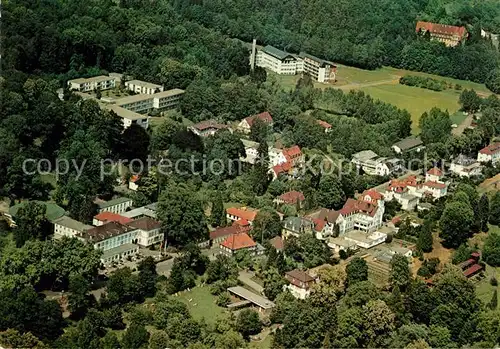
[{"x": 383, "y": 84}]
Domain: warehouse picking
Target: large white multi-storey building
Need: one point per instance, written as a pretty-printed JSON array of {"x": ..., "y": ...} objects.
[
  {"x": 100, "y": 82},
  {"x": 285, "y": 63}
]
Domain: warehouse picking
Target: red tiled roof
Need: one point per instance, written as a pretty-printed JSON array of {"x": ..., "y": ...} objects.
[
  {"x": 219, "y": 232},
  {"x": 292, "y": 152},
  {"x": 472, "y": 270},
  {"x": 491, "y": 149},
  {"x": 442, "y": 29},
  {"x": 355, "y": 206},
  {"x": 242, "y": 214},
  {"x": 435, "y": 185},
  {"x": 319, "y": 224},
  {"x": 292, "y": 197},
  {"x": 277, "y": 242},
  {"x": 373, "y": 194},
  {"x": 435, "y": 172},
  {"x": 112, "y": 217},
  {"x": 134, "y": 178},
  {"x": 242, "y": 222},
  {"x": 265, "y": 116},
  {"x": 145, "y": 223},
  {"x": 324, "y": 124},
  {"x": 399, "y": 186},
  {"x": 282, "y": 168},
  {"x": 238, "y": 241}
]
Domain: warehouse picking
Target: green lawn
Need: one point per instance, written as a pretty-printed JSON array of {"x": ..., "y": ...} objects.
[
  {"x": 266, "y": 343},
  {"x": 458, "y": 117},
  {"x": 202, "y": 304},
  {"x": 414, "y": 99},
  {"x": 484, "y": 290}
]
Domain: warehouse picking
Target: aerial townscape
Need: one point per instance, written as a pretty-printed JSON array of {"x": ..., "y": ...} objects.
[{"x": 249, "y": 174}]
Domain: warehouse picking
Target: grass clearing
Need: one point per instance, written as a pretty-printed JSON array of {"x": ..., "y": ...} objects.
[
  {"x": 414, "y": 99},
  {"x": 202, "y": 304},
  {"x": 484, "y": 289}
]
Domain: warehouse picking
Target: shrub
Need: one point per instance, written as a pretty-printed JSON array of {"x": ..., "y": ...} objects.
[
  {"x": 223, "y": 300},
  {"x": 494, "y": 281}
]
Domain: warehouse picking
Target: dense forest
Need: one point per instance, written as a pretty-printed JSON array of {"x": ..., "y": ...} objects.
[{"x": 367, "y": 34}]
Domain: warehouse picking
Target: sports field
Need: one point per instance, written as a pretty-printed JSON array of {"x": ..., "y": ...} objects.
[{"x": 384, "y": 84}]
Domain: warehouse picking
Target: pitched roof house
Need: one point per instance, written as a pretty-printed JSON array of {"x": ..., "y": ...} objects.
[
  {"x": 246, "y": 124},
  {"x": 300, "y": 283},
  {"x": 236, "y": 214},
  {"x": 291, "y": 198},
  {"x": 238, "y": 242},
  {"x": 325, "y": 125},
  {"x": 491, "y": 153},
  {"x": 450, "y": 35},
  {"x": 106, "y": 217},
  {"x": 207, "y": 128}
]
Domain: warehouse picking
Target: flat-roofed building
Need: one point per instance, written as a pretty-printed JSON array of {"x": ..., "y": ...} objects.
[
  {"x": 128, "y": 117},
  {"x": 67, "y": 226},
  {"x": 319, "y": 69},
  {"x": 143, "y": 87},
  {"x": 167, "y": 99},
  {"x": 101, "y": 82},
  {"x": 118, "y": 205},
  {"x": 136, "y": 103}
]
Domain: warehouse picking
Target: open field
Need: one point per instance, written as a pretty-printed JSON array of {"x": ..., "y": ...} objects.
[
  {"x": 490, "y": 185},
  {"x": 484, "y": 290},
  {"x": 384, "y": 84},
  {"x": 202, "y": 304}
]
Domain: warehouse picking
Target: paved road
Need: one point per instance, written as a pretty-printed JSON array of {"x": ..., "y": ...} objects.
[{"x": 246, "y": 278}]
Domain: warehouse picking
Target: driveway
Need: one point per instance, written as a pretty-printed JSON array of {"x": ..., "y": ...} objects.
[{"x": 246, "y": 278}]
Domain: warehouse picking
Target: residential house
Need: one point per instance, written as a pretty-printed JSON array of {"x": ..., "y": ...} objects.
[
  {"x": 291, "y": 198},
  {"x": 143, "y": 87},
  {"x": 116, "y": 240},
  {"x": 100, "y": 82},
  {"x": 148, "y": 231},
  {"x": 67, "y": 226},
  {"x": 296, "y": 226},
  {"x": 207, "y": 128},
  {"x": 434, "y": 175},
  {"x": 238, "y": 242},
  {"x": 285, "y": 161},
  {"x": 435, "y": 189},
  {"x": 246, "y": 124},
  {"x": 251, "y": 151},
  {"x": 360, "y": 158},
  {"x": 491, "y": 153},
  {"x": 319, "y": 69},
  {"x": 222, "y": 233},
  {"x": 132, "y": 182},
  {"x": 106, "y": 217},
  {"x": 325, "y": 125},
  {"x": 407, "y": 145},
  {"x": 118, "y": 205},
  {"x": 242, "y": 213},
  {"x": 299, "y": 283},
  {"x": 450, "y": 35},
  {"x": 278, "y": 243},
  {"x": 464, "y": 166},
  {"x": 325, "y": 221}
]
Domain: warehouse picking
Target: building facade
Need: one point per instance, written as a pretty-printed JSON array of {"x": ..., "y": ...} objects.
[
  {"x": 67, "y": 226},
  {"x": 148, "y": 231},
  {"x": 100, "y": 82},
  {"x": 299, "y": 283},
  {"x": 118, "y": 205},
  {"x": 491, "y": 153},
  {"x": 450, "y": 35},
  {"x": 143, "y": 87}
]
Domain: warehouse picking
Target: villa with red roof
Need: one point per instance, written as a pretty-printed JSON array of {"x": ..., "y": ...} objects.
[
  {"x": 291, "y": 198},
  {"x": 222, "y": 233},
  {"x": 450, "y": 35},
  {"x": 238, "y": 242},
  {"x": 132, "y": 182},
  {"x": 285, "y": 161},
  {"x": 491, "y": 153},
  {"x": 207, "y": 128},
  {"x": 246, "y": 124},
  {"x": 241, "y": 214},
  {"x": 325, "y": 125},
  {"x": 409, "y": 191}
]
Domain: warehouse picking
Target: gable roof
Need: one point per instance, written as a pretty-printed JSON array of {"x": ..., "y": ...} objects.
[
  {"x": 248, "y": 215},
  {"x": 292, "y": 152},
  {"x": 238, "y": 241},
  {"x": 71, "y": 223},
  {"x": 224, "y": 231},
  {"x": 435, "y": 172},
  {"x": 277, "y": 242},
  {"x": 277, "y": 53},
  {"x": 208, "y": 124},
  {"x": 296, "y": 277},
  {"x": 436, "y": 185},
  {"x": 297, "y": 224},
  {"x": 282, "y": 168},
  {"x": 443, "y": 29},
  {"x": 373, "y": 194},
  {"x": 145, "y": 223},
  {"x": 358, "y": 206},
  {"x": 324, "y": 124},
  {"x": 264, "y": 116},
  {"x": 491, "y": 149},
  {"x": 112, "y": 217},
  {"x": 408, "y": 143},
  {"x": 105, "y": 231},
  {"x": 325, "y": 214},
  {"x": 292, "y": 197}
]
